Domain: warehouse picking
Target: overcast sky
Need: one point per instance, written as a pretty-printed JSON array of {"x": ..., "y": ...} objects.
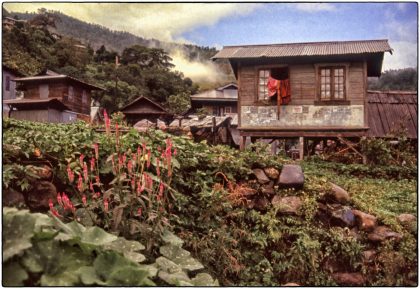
[{"x": 255, "y": 23}]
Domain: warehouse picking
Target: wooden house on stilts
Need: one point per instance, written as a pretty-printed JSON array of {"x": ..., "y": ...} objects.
[{"x": 304, "y": 90}]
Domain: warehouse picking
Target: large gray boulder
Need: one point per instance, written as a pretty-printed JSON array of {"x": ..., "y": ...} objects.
[
  {"x": 408, "y": 221},
  {"x": 272, "y": 173},
  {"x": 342, "y": 216},
  {"x": 365, "y": 221},
  {"x": 291, "y": 176},
  {"x": 383, "y": 233},
  {"x": 261, "y": 176},
  {"x": 338, "y": 194}
]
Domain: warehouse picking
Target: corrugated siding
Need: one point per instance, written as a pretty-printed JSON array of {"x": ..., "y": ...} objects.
[
  {"x": 304, "y": 49},
  {"x": 389, "y": 111}
]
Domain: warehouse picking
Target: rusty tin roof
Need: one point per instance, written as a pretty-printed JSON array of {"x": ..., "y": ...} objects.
[
  {"x": 304, "y": 49},
  {"x": 389, "y": 111}
]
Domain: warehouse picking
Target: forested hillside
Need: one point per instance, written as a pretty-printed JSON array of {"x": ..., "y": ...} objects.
[
  {"x": 30, "y": 49},
  {"x": 395, "y": 79},
  {"x": 97, "y": 35}
]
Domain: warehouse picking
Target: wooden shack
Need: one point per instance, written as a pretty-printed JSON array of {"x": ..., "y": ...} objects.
[
  {"x": 218, "y": 102},
  {"x": 9, "y": 86},
  {"x": 51, "y": 97},
  {"x": 316, "y": 89},
  {"x": 392, "y": 112},
  {"x": 144, "y": 108}
]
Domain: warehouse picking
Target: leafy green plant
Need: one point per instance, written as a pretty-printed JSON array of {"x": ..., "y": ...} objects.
[{"x": 40, "y": 250}]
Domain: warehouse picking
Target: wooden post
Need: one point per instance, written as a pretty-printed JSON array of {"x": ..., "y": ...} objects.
[
  {"x": 242, "y": 143},
  {"x": 301, "y": 147}
]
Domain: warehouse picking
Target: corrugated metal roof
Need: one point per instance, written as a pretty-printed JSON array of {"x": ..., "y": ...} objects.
[
  {"x": 55, "y": 77},
  {"x": 304, "y": 49},
  {"x": 195, "y": 121},
  {"x": 25, "y": 102},
  {"x": 389, "y": 111},
  {"x": 226, "y": 92}
]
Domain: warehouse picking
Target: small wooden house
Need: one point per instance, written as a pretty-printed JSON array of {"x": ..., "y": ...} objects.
[
  {"x": 301, "y": 90},
  {"x": 218, "y": 102},
  {"x": 51, "y": 97},
  {"x": 144, "y": 108},
  {"x": 9, "y": 86},
  {"x": 392, "y": 112}
]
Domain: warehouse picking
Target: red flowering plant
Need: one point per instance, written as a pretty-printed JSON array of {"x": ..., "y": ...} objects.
[{"x": 127, "y": 191}]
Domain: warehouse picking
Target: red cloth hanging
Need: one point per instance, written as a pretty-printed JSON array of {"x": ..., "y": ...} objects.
[
  {"x": 272, "y": 86},
  {"x": 284, "y": 89}
]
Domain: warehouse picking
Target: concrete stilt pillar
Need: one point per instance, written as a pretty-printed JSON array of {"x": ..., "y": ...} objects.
[
  {"x": 301, "y": 147},
  {"x": 242, "y": 143}
]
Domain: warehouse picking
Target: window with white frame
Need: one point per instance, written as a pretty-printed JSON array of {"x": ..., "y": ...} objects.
[
  {"x": 332, "y": 83},
  {"x": 263, "y": 76}
]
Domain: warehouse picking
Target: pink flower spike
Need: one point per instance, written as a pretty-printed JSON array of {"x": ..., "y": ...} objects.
[
  {"x": 85, "y": 172},
  {"x": 80, "y": 183},
  {"x": 50, "y": 203},
  {"x": 84, "y": 200},
  {"x": 96, "y": 148},
  {"x": 139, "y": 212},
  {"x": 98, "y": 181},
  {"x": 133, "y": 183},
  {"x": 55, "y": 213},
  {"x": 81, "y": 158},
  {"x": 149, "y": 155},
  {"x": 175, "y": 151},
  {"x": 91, "y": 186},
  {"x": 161, "y": 188},
  {"x": 92, "y": 164},
  {"x": 59, "y": 199},
  {"x": 70, "y": 174}
]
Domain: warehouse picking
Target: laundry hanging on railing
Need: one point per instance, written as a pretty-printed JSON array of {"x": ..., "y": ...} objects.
[{"x": 281, "y": 88}]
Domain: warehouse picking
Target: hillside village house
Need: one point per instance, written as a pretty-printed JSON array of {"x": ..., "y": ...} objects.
[
  {"x": 51, "y": 97},
  {"x": 9, "y": 86},
  {"x": 143, "y": 108},
  {"x": 218, "y": 102},
  {"x": 304, "y": 89}
]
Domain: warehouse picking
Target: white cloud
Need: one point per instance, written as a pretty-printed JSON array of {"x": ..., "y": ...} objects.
[
  {"x": 163, "y": 21},
  {"x": 314, "y": 7},
  {"x": 196, "y": 70},
  {"x": 402, "y": 35},
  {"x": 404, "y": 55}
]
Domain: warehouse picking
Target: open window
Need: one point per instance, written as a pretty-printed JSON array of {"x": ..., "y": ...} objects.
[{"x": 273, "y": 84}]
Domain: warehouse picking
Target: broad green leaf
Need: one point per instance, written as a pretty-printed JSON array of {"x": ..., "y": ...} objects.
[
  {"x": 18, "y": 229},
  {"x": 151, "y": 269},
  {"x": 63, "y": 279},
  {"x": 204, "y": 279},
  {"x": 174, "y": 278},
  {"x": 32, "y": 262},
  {"x": 173, "y": 252},
  {"x": 180, "y": 257},
  {"x": 189, "y": 264},
  {"x": 171, "y": 238},
  {"x": 122, "y": 245},
  {"x": 97, "y": 236},
  {"x": 127, "y": 276},
  {"x": 167, "y": 265},
  {"x": 135, "y": 257},
  {"x": 109, "y": 261},
  {"x": 88, "y": 276},
  {"x": 13, "y": 274}
]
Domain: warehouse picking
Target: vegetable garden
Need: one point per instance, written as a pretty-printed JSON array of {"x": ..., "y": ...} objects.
[{"x": 138, "y": 209}]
